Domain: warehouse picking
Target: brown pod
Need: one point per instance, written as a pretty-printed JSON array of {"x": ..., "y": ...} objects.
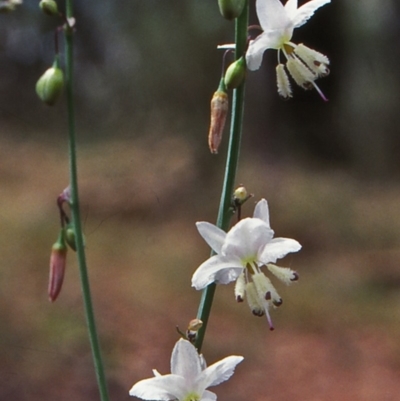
[{"x": 219, "y": 111}]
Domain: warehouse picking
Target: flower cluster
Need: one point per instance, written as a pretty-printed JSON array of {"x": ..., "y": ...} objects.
[
  {"x": 240, "y": 254},
  {"x": 278, "y": 23}
]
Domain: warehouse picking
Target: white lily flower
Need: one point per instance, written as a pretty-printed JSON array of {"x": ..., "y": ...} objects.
[
  {"x": 278, "y": 23},
  {"x": 189, "y": 377},
  {"x": 240, "y": 253}
]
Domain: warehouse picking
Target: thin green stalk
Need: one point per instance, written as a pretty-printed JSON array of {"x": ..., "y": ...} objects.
[
  {"x": 225, "y": 207},
  {"x": 80, "y": 249}
]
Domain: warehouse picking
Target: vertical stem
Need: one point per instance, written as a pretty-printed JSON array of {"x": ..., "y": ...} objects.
[
  {"x": 74, "y": 203},
  {"x": 225, "y": 209}
]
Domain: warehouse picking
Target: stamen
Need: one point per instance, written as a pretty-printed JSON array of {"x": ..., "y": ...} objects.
[
  {"x": 277, "y": 302},
  {"x": 283, "y": 83},
  {"x": 240, "y": 287},
  {"x": 271, "y": 326},
  {"x": 319, "y": 91}
]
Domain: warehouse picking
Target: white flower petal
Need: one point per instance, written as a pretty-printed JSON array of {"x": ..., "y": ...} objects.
[
  {"x": 161, "y": 388},
  {"x": 216, "y": 269},
  {"x": 219, "y": 371},
  {"x": 291, "y": 8},
  {"x": 306, "y": 11},
  {"x": 213, "y": 235},
  {"x": 261, "y": 211},
  {"x": 185, "y": 361},
  {"x": 272, "y": 15},
  {"x": 246, "y": 238},
  {"x": 209, "y": 396},
  {"x": 257, "y": 47},
  {"x": 277, "y": 249}
]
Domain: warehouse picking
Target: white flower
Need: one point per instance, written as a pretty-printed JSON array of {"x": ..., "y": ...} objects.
[
  {"x": 239, "y": 255},
  {"x": 189, "y": 377},
  {"x": 278, "y": 23}
]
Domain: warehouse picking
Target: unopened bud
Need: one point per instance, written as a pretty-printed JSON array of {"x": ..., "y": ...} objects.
[
  {"x": 240, "y": 195},
  {"x": 235, "y": 73},
  {"x": 231, "y": 9},
  {"x": 50, "y": 85},
  {"x": 58, "y": 261},
  {"x": 195, "y": 325},
  {"x": 49, "y": 7},
  {"x": 70, "y": 237},
  {"x": 219, "y": 111}
]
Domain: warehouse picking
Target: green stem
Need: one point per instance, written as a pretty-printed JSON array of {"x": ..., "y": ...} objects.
[
  {"x": 225, "y": 208},
  {"x": 74, "y": 203}
]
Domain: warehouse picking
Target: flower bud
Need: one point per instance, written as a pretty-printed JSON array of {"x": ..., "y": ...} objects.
[
  {"x": 70, "y": 238},
  {"x": 49, "y": 7},
  {"x": 219, "y": 111},
  {"x": 50, "y": 85},
  {"x": 58, "y": 261},
  {"x": 240, "y": 195},
  {"x": 195, "y": 325},
  {"x": 231, "y": 9},
  {"x": 235, "y": 73}
]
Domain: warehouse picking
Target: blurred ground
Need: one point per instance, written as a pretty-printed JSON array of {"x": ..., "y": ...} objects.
[{"x": 336, "y": 334}]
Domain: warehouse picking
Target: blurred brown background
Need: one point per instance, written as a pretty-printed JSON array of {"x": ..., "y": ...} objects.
[{"x": 145, "y": 73}]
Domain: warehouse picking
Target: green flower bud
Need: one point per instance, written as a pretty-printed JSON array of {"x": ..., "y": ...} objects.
[
  {"x": 231, "y": 9},
  {"x": 49, "y": 7},
  {"x": 70, "y": 236},
  {"x": 50, "y": 85},
  {"x": 235, "y": 73}
]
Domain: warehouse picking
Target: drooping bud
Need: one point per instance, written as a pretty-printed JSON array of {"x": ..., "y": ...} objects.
[
  {"x": 50, "y": 85},
  {"x": 231, "y": 9},
  {"x": 49, "y": 7},
  {"x": 235, "y": 73},
  {"x": 58, "y": 260},
  {"x": 219, "y": 111}
]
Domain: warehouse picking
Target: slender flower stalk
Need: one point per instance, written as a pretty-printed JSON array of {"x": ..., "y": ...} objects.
[
  {"x": 225, "y": 209},
  {"x": 74, "y": 203}
]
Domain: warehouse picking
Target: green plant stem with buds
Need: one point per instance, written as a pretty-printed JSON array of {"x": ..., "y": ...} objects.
[
  {"x": 74, "y": 203},
  {"x": 225, "y": 207}
]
